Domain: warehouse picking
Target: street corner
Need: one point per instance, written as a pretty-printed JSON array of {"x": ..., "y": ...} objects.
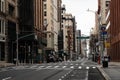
[{"x": 103, "y": 73}]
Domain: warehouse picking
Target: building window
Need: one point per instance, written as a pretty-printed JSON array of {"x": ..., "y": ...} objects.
[
  {"x": 62, "y": 26},
  {"x": 2, "y": 5},
  {"x": 2, "y": 26},
  {"x": 45, "y": 6},
  {"x": 49, "y": 35},
  {"x": 107, "y": 3},
  {"x": 45, "y": 22},
  {"x": 11, "y": 10},
  {"x": 45, "y": 13}
]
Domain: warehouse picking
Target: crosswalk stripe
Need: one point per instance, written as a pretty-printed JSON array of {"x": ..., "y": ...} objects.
[
  {"x": 40, "y": 66},
  {"x": 48, "y": 66},
  {"x": 33, "y": 66},
  {"x": 87, "y": 67},
  {"x": 80, "y": 67},
  {"x": 64, "y": 66},
  {"x": 56, "y": 66},
  {"x": 72, "y": 67},
  {"x": 93, "y": 67}
]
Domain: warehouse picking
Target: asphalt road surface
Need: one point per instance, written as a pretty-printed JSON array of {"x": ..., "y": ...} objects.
[{"x": 70, "y": 70}]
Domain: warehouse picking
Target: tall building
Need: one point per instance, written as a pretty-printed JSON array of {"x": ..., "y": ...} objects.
[
  {"x": 40, "y": 27},
  {"x": 83, "y": 47},
  {"x": 61, "y": 49},
  {"x": 51, "y": 18},
  {"x": 78, "y": 43},
  {"x": 27, "y": 48},
  {"x": 69, "y": 36},
  {"x": 32, "y": 31},
  {"x": 3, "y": 22},
  {"x": 114, "y": 30},
  {"x": 59, "y": 7},
  {"x": 8, "y": 25}
]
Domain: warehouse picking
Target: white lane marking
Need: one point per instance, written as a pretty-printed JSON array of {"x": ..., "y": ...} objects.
[
  {"x": 93, "y": 67},
  {"x": 72, "y": 67},
  {"x": 56, "y": 66},
  {"x": 80, "y": 67},
  {"x": 87, "y": 67},
  {"x": 7, "y": 78},
  {"x": 64, "y": 66}
]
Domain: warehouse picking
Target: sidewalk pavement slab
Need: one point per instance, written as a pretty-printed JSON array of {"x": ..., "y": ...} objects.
[
  {"x": 4, "y": 64},
  {"x": 112, "y": 72}
]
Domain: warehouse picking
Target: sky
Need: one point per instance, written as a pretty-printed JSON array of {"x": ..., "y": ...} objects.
[{"x": 78, "y": 8}]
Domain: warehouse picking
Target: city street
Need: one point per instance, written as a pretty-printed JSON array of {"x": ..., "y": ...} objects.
[
  {"x": 70, "y": 70},
  {"x": 59, "y": 39}
]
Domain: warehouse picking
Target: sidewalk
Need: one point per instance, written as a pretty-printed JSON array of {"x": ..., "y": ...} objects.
[
  {"x": 4, "y": 64},
  {"x": 112, "y": 72}
]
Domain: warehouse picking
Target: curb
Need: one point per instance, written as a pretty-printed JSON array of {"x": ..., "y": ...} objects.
[
  {"x": 103, "y": 73},
  {"x": 6, "y": 65}
]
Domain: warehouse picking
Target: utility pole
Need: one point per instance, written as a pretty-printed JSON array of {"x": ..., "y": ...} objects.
[{"x": 17, "y": 60}]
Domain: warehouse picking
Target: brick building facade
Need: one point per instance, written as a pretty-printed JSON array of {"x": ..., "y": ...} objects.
[{"x": 114, "y": 30}]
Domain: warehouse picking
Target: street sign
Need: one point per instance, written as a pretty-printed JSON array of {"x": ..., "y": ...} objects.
[
  {"x": 107, "y": 44},
  {"x": 83, "y": 37},
  {"x": 103, "y": 33}
]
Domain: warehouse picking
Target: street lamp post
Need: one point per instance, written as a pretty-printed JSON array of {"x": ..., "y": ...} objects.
[
  {"x": 17, "y": 47},
  {"x": 17, "y": 60},
  {"x": 99, "y": 33},
  {"x": 18, "y": 38}
]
